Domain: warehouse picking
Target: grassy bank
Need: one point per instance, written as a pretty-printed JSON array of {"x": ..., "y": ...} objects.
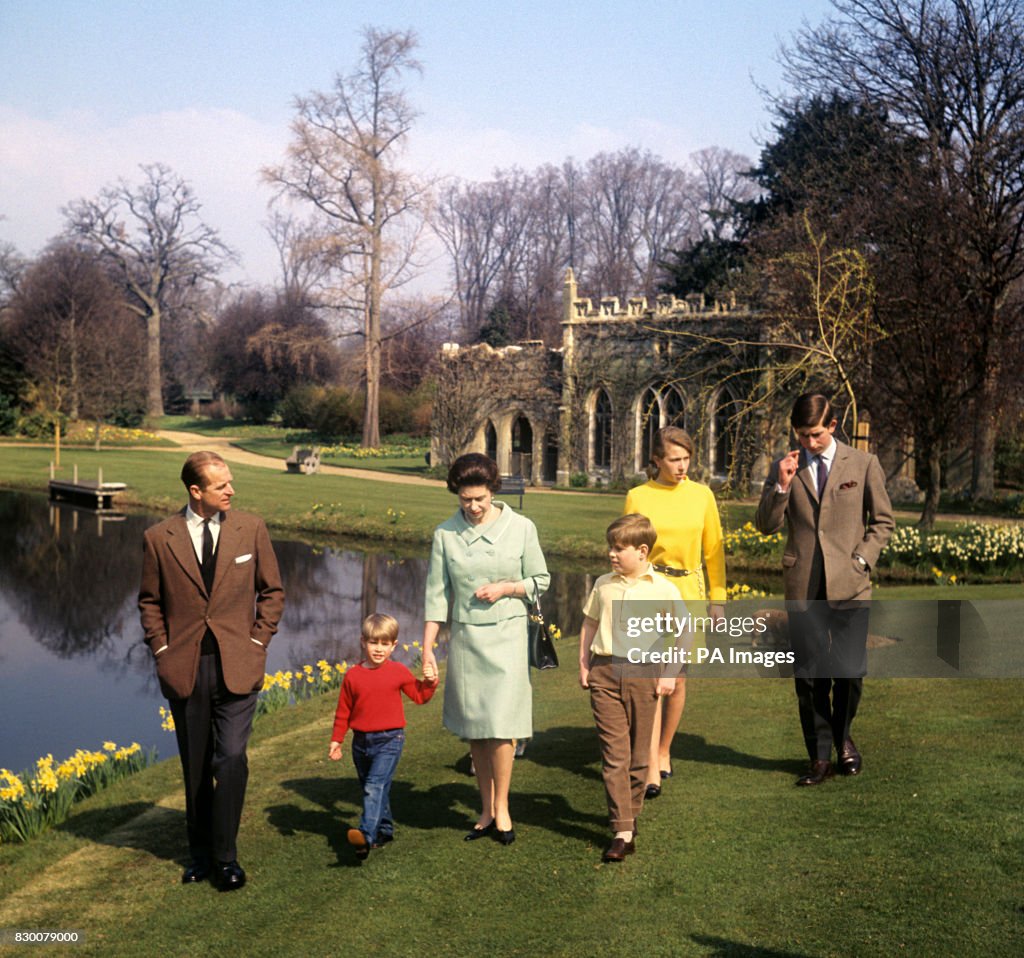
[
  {"x": 403, "y": 516},
  {"x": 919, "y": 856},
  {"x": 570, "y": 524}
]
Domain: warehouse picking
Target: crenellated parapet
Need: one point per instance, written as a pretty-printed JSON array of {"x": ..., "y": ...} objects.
[{"x": 666, "y": 306}]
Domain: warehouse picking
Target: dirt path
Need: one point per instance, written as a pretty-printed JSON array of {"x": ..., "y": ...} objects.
[{"x": 224, "y": 446}]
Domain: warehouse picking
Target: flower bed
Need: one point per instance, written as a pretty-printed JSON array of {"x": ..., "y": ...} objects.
[{"x": 38, "y": 798}]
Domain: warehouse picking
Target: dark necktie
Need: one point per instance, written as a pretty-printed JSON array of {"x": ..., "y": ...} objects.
[
  {"x": 822, "y": 476},
  {"x": 208, "y": 563}
]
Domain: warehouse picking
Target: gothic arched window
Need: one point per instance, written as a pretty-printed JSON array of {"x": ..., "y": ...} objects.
[{"x": 601, "y": 430}]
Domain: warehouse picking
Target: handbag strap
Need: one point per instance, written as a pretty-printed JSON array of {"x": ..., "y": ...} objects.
[{"x": 535, "y": 603}]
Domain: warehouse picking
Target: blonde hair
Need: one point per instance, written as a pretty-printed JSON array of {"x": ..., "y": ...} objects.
[{"x": 380, "y": 628}]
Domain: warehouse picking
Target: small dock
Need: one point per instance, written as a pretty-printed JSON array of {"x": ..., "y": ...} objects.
[{"x": 92, "y": 494}]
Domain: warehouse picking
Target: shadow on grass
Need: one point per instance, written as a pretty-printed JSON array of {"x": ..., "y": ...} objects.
[
  {"x": 567, "y": 747},
  {"x": 696, "y": 748},
  {"x": 450, "y": 806},
  {"x": 141, "y": 825},
  {"x": 723, "y": 948}
]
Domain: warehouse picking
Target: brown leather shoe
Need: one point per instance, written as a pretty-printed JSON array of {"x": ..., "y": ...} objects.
[
  {"x": 618, "y": 850},
  {"x": 817, "y": 773},
  {"x": 849, "y": 759}
]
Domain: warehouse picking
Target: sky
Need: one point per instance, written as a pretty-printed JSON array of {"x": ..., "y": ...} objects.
[{"x": 89, "y": 91}]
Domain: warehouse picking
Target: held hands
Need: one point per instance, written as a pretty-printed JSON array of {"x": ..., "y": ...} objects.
[
  {"x": 788, "y": 466},
  {"x": 495, "y": 590},
  {"x": 430, "y": 673},
  {"x": 335, "y": 752}
]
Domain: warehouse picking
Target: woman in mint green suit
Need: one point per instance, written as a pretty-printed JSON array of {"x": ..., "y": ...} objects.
[{"x": 486, "y": 564}]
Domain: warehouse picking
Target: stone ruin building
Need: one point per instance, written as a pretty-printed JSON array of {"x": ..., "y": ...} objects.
[{"x": 585, "y": 413}]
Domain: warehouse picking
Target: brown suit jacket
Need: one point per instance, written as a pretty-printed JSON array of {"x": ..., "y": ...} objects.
[
  {"x": 854, "y": 518},
  {"x": 242, "y": 611}
]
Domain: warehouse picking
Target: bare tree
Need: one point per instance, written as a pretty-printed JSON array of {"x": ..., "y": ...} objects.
[
  {"x": 342, "y": 160},
  {"x": 155, "y": 243},
  {"x": 722, "y": 183},
  {"x": 305, "y": 253}
]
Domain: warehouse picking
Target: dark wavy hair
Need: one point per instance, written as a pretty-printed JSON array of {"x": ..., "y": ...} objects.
[
  {"x": 810, "y": 410},
  {"x": 474, "y": 469}
]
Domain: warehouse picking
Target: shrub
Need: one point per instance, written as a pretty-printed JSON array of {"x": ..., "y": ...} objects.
[
  {"x": 299, "y": 406},
  {"x": 8, "y": 416},
  {"x": 339, "y": 413}
]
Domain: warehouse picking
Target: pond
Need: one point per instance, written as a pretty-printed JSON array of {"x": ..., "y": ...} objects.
[{"x": 73, "y": 669}]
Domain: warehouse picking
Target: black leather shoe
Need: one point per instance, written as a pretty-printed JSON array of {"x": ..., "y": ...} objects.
[
  {"x": 667, "y": 774},
  {"x": 505, "y": 838},
  {"x": 820, "y": 770},
  {"x": 476, "y": 832},
  {"x": 652, "y": 791},
  {"x": 382, "y": 840},
  {"x": 230, "y": 876},
  {"x": 849, "y": 759},
  {"x": 358, "y": 841},
  {"x": 198, "y": 870}
]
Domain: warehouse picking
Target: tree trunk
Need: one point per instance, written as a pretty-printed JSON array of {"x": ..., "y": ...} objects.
[
  {"x": 933, "y": 487},
  {"x": 983, "y": 459},
  {"x": 371, "y": 409},
  {"x": 154, "y": 376}
]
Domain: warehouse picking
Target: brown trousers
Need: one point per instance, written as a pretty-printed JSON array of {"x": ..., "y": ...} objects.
[{"x": 623, "y": 700}]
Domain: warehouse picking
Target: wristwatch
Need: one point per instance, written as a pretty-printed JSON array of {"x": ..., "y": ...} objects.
[{"x": 862, "y": 561}]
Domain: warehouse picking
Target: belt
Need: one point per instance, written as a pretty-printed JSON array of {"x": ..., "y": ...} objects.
[{"x": 668, "y": 570}]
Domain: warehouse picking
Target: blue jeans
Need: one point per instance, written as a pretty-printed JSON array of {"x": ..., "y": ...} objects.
[{"x": 376, "y": 756}]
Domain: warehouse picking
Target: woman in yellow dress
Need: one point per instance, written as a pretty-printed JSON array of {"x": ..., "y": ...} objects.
[{"x": 685, "y": 515}]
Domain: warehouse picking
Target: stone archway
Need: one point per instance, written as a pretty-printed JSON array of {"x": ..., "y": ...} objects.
[
  {"x": 601, "y": 422},
  {"x": 658, "y": 405},
  {"x": 521, "y": 459},
  {"x": 490, "y": 440}
]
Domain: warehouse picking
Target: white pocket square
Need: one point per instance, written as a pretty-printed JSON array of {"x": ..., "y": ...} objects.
[{"x": 240, "y": 559}]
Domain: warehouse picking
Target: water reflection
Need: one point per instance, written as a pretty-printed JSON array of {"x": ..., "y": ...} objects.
[{"x": 73, "y": 669}]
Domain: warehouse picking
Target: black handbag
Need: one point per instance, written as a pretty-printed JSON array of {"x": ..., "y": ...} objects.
[{"x": 541, "y": 648}]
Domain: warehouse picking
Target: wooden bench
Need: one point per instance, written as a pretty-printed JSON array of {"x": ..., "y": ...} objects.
[
  {"x": 513, "y": 486},
  {"x": 305, "y": 460}
]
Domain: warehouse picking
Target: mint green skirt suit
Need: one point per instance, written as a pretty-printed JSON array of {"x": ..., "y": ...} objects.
[{"x": 487, "y": 691}]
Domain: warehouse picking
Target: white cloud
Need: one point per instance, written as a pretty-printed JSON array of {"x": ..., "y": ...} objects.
[{"x": 46, "y": 164}]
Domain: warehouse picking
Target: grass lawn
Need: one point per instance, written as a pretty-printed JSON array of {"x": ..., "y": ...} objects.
[{"x": 920, "y": 855}]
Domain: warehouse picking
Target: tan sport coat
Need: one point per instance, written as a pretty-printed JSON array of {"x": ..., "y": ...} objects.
[
  {"x": 242, "y": 610},
  {"x": 854, "y": 518}
]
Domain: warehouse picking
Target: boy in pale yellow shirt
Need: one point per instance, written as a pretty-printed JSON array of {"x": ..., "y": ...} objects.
[{"x": 624, "y": 691}]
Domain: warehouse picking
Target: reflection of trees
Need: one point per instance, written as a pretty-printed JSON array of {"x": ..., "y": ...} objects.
[
  {"x": 75, "y": 590},
  {"x": 72, "y": 588},
  {"x": 328, "y": 594}
]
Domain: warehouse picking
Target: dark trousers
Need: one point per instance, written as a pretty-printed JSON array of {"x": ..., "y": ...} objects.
[
  {"x": 830, "y": 659},
  {"x": 376, "y": 755},
  {"x": 212, "y": 726}
]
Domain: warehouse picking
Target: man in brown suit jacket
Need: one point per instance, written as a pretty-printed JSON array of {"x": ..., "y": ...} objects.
[
  {"x": 210, "y": 601},
  {"x": 838, "y": 518}
]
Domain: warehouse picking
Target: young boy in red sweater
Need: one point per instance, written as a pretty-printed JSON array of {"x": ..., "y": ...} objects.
[{"x": 370, "y": 703}]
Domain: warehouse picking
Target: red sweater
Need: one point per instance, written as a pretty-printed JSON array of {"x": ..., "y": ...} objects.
[{"x": 370, "y": 700}]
